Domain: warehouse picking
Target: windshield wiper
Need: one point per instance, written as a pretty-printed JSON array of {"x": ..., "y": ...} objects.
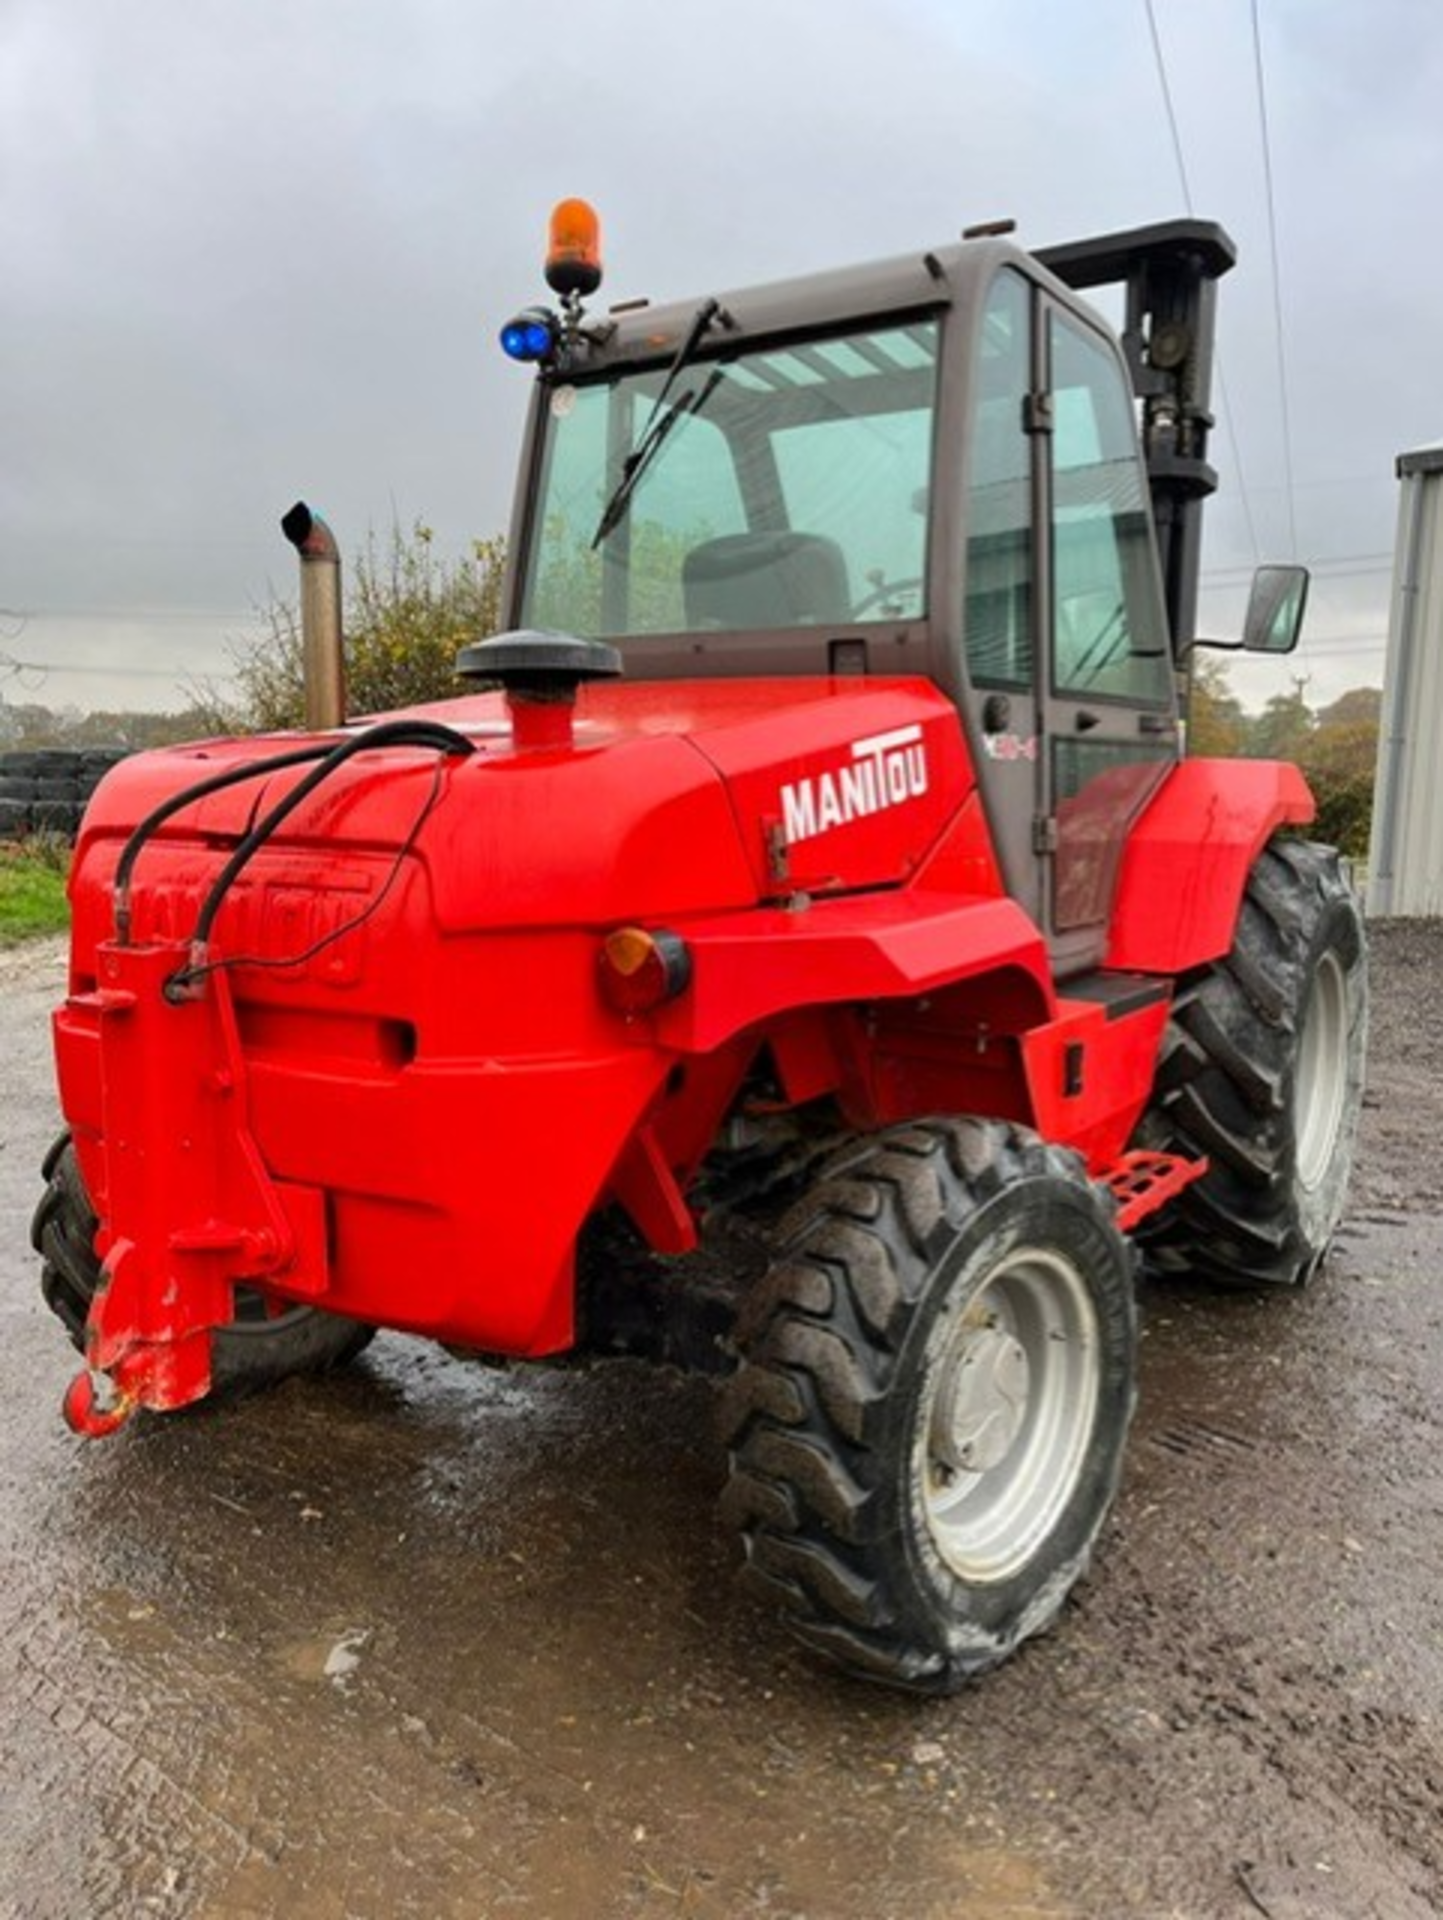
[{"x": 660, "y": 421}]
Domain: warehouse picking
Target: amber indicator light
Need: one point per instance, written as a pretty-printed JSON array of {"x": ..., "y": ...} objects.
[{"x": 641, "y": 970}]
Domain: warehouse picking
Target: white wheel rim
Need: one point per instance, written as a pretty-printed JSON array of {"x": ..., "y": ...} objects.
[
  {"x": 1007, "y": 1413},
  {"x": 1320, "y": 1083}
]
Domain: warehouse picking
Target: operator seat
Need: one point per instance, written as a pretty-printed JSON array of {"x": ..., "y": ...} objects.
[{"x": 749, "y": 580}]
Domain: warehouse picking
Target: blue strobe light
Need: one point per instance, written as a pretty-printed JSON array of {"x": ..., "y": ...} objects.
[{"x": 532, "y": 335}]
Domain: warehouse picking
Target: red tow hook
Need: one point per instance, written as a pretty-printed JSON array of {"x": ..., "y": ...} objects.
[{"x": 84, "y": 1416}]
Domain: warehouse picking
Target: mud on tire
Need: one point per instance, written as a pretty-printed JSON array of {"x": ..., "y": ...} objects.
[
  {"x": 257, "y": 1350},
  {"x": 1261, "y": 1069},
  {"x": 927, "y": 1427}
]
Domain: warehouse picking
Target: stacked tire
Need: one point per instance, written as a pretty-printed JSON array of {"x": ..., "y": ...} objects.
[{"x": 45, "y": 789}]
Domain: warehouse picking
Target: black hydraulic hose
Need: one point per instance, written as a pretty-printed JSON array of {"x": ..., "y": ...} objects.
[
  {"x": 157, "y": 817},
  {"x": 389, "y": 733}
]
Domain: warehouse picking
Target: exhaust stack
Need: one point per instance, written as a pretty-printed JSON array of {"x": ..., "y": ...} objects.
[{"x": 322, "y": 661}]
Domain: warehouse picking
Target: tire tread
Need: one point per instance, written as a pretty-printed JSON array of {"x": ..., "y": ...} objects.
[
  {"x": 801, "y": 1414},
  {"x": 1222, "y": 1086}
]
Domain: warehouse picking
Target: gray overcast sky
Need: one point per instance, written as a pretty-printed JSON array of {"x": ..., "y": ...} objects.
[{"x": 259, "y": 251}]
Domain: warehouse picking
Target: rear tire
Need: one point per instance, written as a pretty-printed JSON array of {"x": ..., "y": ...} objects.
[
  {"x": 928, "y": 1424},
  {"x": 1261, "y": 1069},
  {"x": 258, "y": 1349}
]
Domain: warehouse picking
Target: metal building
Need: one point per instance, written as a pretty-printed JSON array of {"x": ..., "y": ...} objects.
[{"x": 1405, "y": 855}]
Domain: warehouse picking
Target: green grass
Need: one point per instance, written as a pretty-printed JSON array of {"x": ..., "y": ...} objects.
[{"x": 32, "y": 889}]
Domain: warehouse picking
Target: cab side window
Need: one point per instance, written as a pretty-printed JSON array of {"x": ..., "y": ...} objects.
[
  {"x": 1000, "y": 586},
  {"x": 1109, "y": 635}
]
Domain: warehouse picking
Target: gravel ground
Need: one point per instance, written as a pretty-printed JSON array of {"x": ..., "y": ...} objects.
[{"x": 427, "y": 1640}]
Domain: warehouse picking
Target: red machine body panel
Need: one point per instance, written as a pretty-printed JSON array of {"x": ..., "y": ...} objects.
[
  {"x": 405, "y": 1091},
  {"x": 410, "y": 1007},
  {"x": 1187, "y": 859}
]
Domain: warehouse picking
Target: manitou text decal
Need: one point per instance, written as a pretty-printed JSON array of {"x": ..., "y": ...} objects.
[{"x": 886, "y": 769}]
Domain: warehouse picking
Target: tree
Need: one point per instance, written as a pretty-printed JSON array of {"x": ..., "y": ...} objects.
[
  {"x": 32, "y": 726},
  {"x": 1358, "y": 707},
  {"x": 1340, "y": 760},
  {"x": 1284, "y": 727},
  {"x": 1216, "y": 723},
  {"x": 1337, "y": 747},
  {"x": 135, "y": 731},
  {"x": 570, "y": 589},
  {"x": 27, "y": 724},
  {"x": 408, "y": 612}
]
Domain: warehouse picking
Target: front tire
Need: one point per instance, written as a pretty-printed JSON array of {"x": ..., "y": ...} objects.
[
  {"x": 258, "y": 1349},
  {"x": 928, "y": 1424},
  {"x": 1261, "y": 1070}
]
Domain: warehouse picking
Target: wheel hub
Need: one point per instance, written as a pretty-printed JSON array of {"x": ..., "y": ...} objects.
[
  {"x": 1008, "y": 1412},
  {"x": 980, "y": 1411}
]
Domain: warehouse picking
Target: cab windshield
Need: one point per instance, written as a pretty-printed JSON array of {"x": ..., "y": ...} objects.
[{"x": 787, "y": 487}]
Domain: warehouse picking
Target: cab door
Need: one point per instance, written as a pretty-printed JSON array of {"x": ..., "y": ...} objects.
[
  {"x": 1004, "y": 591},
  {"x": 1070, "y": 686},
  {"x": 1105, "y": 681}
]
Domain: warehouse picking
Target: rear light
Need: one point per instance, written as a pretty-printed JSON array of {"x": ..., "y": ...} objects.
[{"x": 639, "y": 970}]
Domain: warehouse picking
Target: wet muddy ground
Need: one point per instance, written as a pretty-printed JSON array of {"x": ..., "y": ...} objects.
[{"x": 426, "y": 1640}]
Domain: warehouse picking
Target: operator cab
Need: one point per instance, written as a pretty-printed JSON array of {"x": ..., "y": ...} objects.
[{"x": 925, "y": 467}]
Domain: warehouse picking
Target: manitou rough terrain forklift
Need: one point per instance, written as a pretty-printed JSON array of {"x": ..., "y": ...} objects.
[{"x": 814, "y": 867}]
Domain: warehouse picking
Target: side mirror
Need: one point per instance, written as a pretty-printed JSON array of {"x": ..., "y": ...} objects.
[{"x": 1274, "y": 618}]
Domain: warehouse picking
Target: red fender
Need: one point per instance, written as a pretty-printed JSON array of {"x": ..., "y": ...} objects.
[
  {"x": 1188, "y": 858},
  {"x": 749, "y": 968}
]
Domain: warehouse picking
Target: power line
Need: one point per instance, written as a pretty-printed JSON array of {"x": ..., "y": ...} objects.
[
  {"x": 1161, "y": 60},
  {"x": 12, "y": 668},
  {"x": 1378, "y": 562},
  {"x": 1360, "y": 649},
  {"x": 1229, "y": 425},
  {"x": 18, "y": 670},
  {"x": 137, "y": 613},
  {"x": 1277, "y": 282},
  {"x": 1339, "y": 567}
]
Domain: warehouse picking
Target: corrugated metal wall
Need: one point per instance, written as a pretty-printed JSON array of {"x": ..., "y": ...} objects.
[{"x": 1405, "y": 857}]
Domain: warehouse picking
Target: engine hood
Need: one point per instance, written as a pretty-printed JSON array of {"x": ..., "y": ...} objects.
[{"x": 672, "y": 798}]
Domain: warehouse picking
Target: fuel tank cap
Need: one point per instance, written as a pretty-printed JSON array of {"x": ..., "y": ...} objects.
[{"x": 538, "y": 665}]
